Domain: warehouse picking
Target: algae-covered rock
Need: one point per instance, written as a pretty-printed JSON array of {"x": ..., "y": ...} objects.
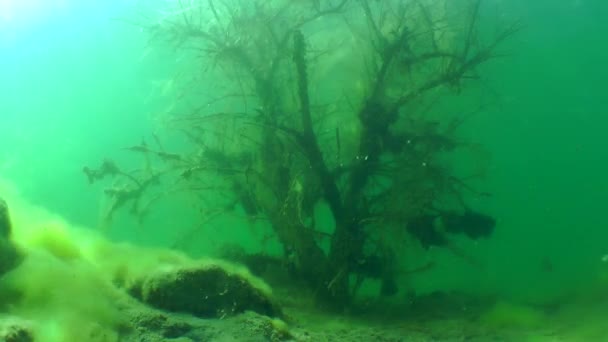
[
  {"x": 5, "y": 221},
  {"x": 9, "y": 255},
  {"x": 15, "y": 330},
  {"x": 207, "y": 290}
]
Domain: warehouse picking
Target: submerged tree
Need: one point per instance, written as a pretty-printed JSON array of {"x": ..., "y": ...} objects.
[{"x": 336, "y": 103}]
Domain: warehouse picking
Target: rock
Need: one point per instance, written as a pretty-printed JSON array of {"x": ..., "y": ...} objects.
[
  {"x": 211, "y": 290},
  {"x": 251, "y": 327},
  {"x": 15, "y": 330},
  {"x": 9, "y": 255},
  {"x": 5, "y": 222},
  {"x": 152, "y": 325},
  {"x": 167, "y": 326}
]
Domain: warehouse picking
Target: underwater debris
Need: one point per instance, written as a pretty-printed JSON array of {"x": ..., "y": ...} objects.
[
  {"x": 121, "y": 196},
  {"x": 107, "y": 168},
  {"x": 430, "y": 229},
  {"x": 424, "y": 229},
  {"x": 473, "y": 224},
  {"x": 125, "y": 193},
  {"x": 282, "y": 123}
]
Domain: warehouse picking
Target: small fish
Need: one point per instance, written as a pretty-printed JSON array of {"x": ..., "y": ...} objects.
[
  {"x": 168, "y": 156},
  {"x": 137, "y": 148},
  {"x": 107, "y": 168}
]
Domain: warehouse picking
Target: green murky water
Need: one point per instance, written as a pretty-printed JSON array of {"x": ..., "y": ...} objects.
[{"x": 82, "y": 82}]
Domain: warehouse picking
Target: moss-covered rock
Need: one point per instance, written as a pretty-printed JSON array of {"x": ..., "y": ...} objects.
[
  {"x": 5, "y": 222},
  {"x": 15, "y": 330},
  {"x": 9, "y": 255},
  {"x": 207, "y": 290}
]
